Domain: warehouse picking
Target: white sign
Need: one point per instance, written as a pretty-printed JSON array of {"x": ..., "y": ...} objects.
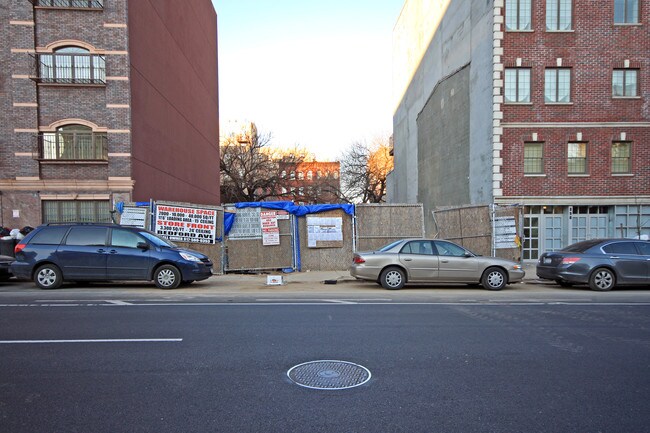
[
  {"x": 186, "y": 224},
  {"x": 505, "y": 232},
  {"x": 135, "y": 217},
  {"x": 324, "y": 232},
  {"x": 247, "y": 224},
  {"x": 270, "y": 229}
]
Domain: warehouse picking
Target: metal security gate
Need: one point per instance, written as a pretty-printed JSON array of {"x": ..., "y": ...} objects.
[
  {"x": 245, "y": 248},
  {"x": 379, "y": 224}
]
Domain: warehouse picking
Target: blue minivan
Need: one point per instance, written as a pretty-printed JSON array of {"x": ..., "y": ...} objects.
[{"x": 54, "y": 253}]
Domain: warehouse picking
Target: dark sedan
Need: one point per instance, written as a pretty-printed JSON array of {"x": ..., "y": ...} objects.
[
  {"x": 5, "y": 270},
  {"x": 601, "y": 263}
]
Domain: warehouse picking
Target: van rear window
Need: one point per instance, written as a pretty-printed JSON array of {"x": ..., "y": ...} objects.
[{"x": 49, "y": 236}]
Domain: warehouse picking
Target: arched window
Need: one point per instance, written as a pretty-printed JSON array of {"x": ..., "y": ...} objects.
[
  {"x": 292, "y": 175},
  {"x": 72, "y": 65},
  {"x": 283, "y": 174},
  {"x": 310, "y": 175},
  {"x": 73, "y": 142},
  {"x": 301, "y": 175},
  {"x": 335, "y": 174}
]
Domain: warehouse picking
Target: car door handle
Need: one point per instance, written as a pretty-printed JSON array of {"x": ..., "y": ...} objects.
[
  {"x": 101, "y": 250},
  {"x": 444, "y": 261},
  {"x": 614, "y": 257},
  {"x": 407, "y": 260},
  {"x": 113, "y": 251}
]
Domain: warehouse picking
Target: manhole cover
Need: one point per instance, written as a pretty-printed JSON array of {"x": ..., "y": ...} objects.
[{"x": 329, "y": 374}]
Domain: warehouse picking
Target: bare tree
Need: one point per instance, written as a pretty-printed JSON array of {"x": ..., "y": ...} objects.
[
  {"x": 251, "y": 170},
  {"x": 364, "y": 168}
]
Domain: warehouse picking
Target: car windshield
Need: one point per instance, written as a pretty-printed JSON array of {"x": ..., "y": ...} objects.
[
  {"x": 157, "y": 240},
  {"x": 581, "y": 247},
  {"x": 389, "y": 246}
]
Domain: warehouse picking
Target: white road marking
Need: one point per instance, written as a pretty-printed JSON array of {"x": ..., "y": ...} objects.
[{"x": 111, "y": 340}]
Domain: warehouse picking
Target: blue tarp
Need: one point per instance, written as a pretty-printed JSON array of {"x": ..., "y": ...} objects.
[{"x": 297, "y": 210}]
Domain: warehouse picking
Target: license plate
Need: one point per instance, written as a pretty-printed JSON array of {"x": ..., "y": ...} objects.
[{"x": 548, "y": 260}]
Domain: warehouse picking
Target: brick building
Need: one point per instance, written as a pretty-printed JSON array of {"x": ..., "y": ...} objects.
[
  {"x": 568, "y": 132},
  {"x": 103, "y": 102},
  {"x": 312, "y": 182}
]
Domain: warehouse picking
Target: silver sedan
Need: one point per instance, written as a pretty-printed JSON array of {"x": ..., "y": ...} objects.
[{"x": 433, "y": 261}]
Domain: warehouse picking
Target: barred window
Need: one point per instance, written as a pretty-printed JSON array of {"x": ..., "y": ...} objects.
[
  {"x": 621, "y": 157},
  {"x": 67, "y": 211},
  {"x": 533, "y": 158},
  {"x": 577, "y": 158}
]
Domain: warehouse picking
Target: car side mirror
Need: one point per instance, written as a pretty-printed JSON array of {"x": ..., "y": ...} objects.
[
  {"x": 143, "y": 245},
  {"x": 468, "y": 254}
]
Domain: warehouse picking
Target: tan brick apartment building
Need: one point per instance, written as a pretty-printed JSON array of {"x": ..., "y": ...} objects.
[
  {"x": 106, "y": 101},
  {"x": 568, "y": 132}
]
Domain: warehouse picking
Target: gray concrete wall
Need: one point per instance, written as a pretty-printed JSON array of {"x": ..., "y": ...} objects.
[{"x": 462, "y": 37}]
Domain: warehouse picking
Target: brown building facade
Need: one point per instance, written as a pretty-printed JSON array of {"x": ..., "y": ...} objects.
[{"x": 103, "y": 102}]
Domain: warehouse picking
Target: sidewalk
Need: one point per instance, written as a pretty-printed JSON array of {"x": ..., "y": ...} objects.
[{"x": 317, "y": 278}]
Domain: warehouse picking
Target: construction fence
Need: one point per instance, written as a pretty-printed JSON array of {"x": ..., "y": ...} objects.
[{"x": 257, "y": 239}]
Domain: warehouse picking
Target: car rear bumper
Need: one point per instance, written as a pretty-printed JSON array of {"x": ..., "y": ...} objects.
[
  {"x": 561, "y": 273},
  {"x": 364, "y": 272}
]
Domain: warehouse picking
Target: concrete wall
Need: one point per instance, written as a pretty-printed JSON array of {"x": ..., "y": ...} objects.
[{"x": 446, "y": 101}]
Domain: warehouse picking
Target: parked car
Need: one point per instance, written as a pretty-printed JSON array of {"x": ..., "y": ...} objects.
[
  {"x": 5, "y": 270},
  {"x": 601, "y": 263},
  {"x": 433, "y": 261},
  {"x": 54, "y": 253}
]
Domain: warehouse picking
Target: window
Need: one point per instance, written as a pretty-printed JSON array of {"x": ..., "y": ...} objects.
[
  {"x": 301, "y": 175},
  {"x": 49, "y": 236},
  {"x": 621, "y": 157},
  {"x": 73, "y": 142},
  {"x": 577, "y": 158},
  {"x": 517, "y": 85},
  {"x": 292, "y": 175},
  {"x": 78, "y": 4},
  {"x": 624, "y": 83},
  {"x": 72, "y": 65},
  {"x": 283, "y": 174},
  {"x": 533, "y": 158},
  {"x": 67, "y": 211},
  {"x": 87, "y": 236},
  {"x": 310, "y": 175},
  {"x": 558, "y": 15},
  {"x": 518, "y": 15},
  {"x": 449, "y": 249},
  {"x": 418, "y": 247},
  {"x": 621, "y": 248},
  {"x": 557, "y": 86},
  {"x": 626, "y": 11},
  {"x": 125, "y": 238}
]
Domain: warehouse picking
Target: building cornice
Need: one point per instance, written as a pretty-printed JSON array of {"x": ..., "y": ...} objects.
[
  {"x": 31, "y": 184},
  {"x": 574, "y": 200}
]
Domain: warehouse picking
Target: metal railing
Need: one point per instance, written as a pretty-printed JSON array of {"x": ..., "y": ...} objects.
[
  {"x": 72, "y": 146},
  {"x": 71, "y": 68},
  {"x": 72, "y": 4}
]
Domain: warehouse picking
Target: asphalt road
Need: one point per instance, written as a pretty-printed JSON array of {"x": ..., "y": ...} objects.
[{"x": 81, "y": 362}]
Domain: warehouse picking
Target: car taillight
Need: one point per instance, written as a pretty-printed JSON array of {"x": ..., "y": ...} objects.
[
  {"x": 570, "y": 260},
  {"x": 18, "y": 248},
  {"x": 358, "y": 260}
]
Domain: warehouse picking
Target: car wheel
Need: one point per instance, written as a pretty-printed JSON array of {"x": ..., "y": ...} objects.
[
  {"x": 494, "y": 279},
  {"x": 563, "y": 283},
  {"x": 167, "y": 277},
  {"x": 602, "y": 279},
  {"x": 392, "y": 278},
  {"x": 48, "y": 277}
]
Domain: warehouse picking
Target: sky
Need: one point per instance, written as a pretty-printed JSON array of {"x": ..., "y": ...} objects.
[{"x": 316, "y": 74}]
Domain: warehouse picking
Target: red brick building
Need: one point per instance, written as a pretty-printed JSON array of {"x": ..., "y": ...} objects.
[
  {"x": 104, "y": 102},
  {"x": 312, "y": 182},
  {"x": 576, "y": 119}
]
